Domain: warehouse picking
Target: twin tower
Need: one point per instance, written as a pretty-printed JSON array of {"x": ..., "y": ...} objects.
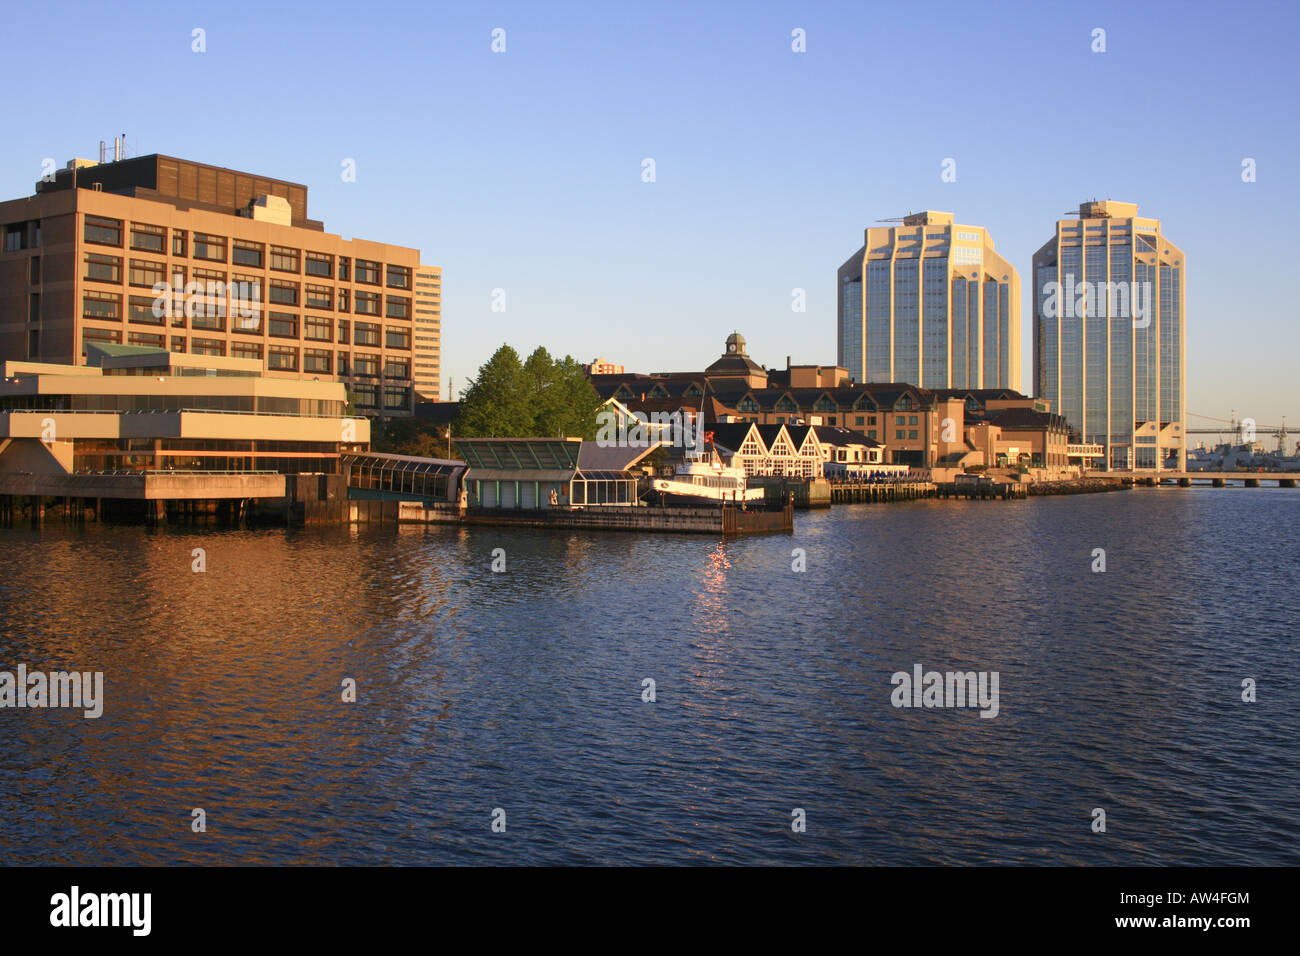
[{"x": 931, "y": 302}]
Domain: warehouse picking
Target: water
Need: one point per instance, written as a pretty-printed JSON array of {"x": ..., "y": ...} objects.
[{"x": 522, "y": 690}]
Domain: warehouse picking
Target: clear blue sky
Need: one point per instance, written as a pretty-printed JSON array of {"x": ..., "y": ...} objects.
[{"x": 522, "y": 170}]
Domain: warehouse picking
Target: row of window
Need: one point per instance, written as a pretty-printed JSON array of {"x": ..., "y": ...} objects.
[
  {"x": 147, "y": 273},
  {"x": 104, "y": 231},
  {"x": 106, "y": 306}
]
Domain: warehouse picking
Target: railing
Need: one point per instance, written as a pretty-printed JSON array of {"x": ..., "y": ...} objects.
[
  {"x": 162, "y": 411},
  {"x": 155, "y": 472}
]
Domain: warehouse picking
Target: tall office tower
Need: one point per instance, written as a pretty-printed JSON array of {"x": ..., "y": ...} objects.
[
  {"x": 428, "y": 333},
  {"x": 930, "y": 303},
  {"x": 1109, "y": 335},
  {"x": 249, "y": 276}
]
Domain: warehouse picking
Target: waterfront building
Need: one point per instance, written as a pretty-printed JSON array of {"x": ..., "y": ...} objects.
[
  {"x": 1109, "y": 342},
  {"x": 523, "y": 473},
  {"x": 931, "y": 303},
  {"x": 246, "y": 274},
  {"x": 921, "y": 428},
  {"x": 138, "y": 409}
]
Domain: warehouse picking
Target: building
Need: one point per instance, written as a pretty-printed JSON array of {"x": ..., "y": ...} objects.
[
  {"x": 161, "y": 252},
  {"x": 524, "y": 473},
  {"x": 1109, "y": 344},
  {"x": 929, "y": 303},
  {"x": 918, "y": 427},
  {"x": 600, "y": 366},
  {"x": 143, "y": 409},
  {"x": 426, "y": 374}
]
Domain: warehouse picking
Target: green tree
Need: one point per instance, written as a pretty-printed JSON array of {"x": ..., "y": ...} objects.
[
  {"x": 542, "y": 397},
  {"x": 495, "y": 403}
]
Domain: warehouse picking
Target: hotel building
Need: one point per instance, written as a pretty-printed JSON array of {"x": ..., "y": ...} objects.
[
  {"x": 83, "y": 259},
  {"x": 1109, "y": 335},
  {"x": 932, "y": 304}
]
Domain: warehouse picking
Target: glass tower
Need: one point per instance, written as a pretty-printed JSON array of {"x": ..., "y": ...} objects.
[
  {"x": 930, "y": 303},
  {"x": 1108, "y": 335}
]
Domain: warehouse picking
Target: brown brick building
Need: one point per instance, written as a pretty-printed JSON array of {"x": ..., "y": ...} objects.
[{"x": 161, "y": 252}]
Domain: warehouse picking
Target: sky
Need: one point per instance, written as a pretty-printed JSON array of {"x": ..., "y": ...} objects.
[{"x": 522, "y": 170}]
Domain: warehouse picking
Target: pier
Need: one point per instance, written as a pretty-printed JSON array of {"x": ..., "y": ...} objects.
[{"x": 845, "y": 492}]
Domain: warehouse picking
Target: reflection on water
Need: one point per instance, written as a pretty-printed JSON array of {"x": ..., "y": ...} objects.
[{"x": 522, "y": 690}]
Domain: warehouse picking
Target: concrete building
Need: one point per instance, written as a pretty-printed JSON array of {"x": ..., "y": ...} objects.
[
  {"x": 930, "y": 303},
  {"x": 142, "y": 409},
  {"x": 427, "y": 371},
  {"x": 160, "y": 252},
  {"x": 1109, "y": 343}
]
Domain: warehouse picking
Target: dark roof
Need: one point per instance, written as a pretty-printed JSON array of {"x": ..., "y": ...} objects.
[
  {"x": 593, "y": 458},
  {"x": 843, "y": 437},
  {"x": 740, "y": 365},
  {"x": 730, "y": 435},
  {"x": 1027, "y": 418}
]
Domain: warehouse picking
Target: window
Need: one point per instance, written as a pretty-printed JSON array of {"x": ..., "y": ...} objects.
[
  {"x": 103, "y": 268},
  {"x": 395, "y": 398},
  {"x": 911, "y": 419},
  {"x": 397, "y": 368},
  {"x": 178, "y": 343},
  {"x": 207, "y": 347},
  {"x": 141, "y": 311},
  {"x": 284, "y": 259},
  {"x": 316, "y": 360},
  {"x": 178, "y": 242},
  {"x": 343, "y": 300},
  {"x": 396, "y": 338},
  {"x": 399, "y": 277},
  {"x": 248, "y": 350},
  {"x": 149, "y": 238},
  {"x": 368, "y": 271},
  {"x": 319, "y": 264},
  {"x": 284, "y": 325},
  {"x": 898, "y": 435},
  {"x": 365, "y": 365},
  {"x": 147, "y": 273},
  {"x": 102, "y": 305},
  {"x": 16, "y": 237},
  {"x": 343, "y": 331},
  {"x": 345, "y": 265},
  {"x": 366, "y": 303},
  {"x": 209, "y": 247},
  {"x": 282, "y": 357},
  {"x": 147, "y": 338},
  {"x": 365, "y": 396},
  {"x": 871, "y": 433},
  {"x": 285, "y": 293},
  {"x": 397, "y": 307},
  {"x": 366, "y": 334},
  {"x": 900, "y": 420},
  {"x": 912, "y": 434},
  {"x": 317, "y": 329},
  {"x": 101, "y": 231},
  {"x": 245, "y": 253},
  {"x": 860, "y": 420},
  {"x": 343, "y": 363},
  {"x": 319, "y": 297},
  {"x": 109, "y": 336}
]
